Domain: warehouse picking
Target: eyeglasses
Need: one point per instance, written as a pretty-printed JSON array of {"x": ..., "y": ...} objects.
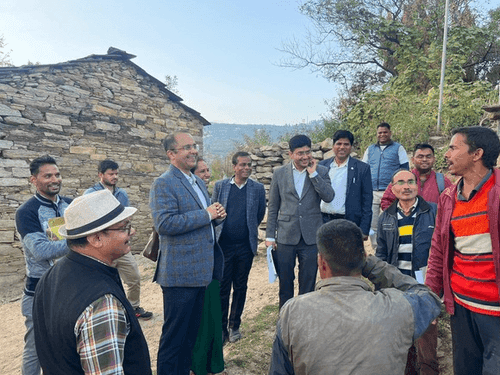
[
  {"x": 421, "y": 157},
  {"x": 303, "y": 153},
  {"x": 194, "y": 146},
  {"x": 127, "y": 228},
  {"x": 402, "y": 182}
]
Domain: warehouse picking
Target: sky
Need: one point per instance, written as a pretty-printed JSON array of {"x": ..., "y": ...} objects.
[{"x": 224, "y": 53}]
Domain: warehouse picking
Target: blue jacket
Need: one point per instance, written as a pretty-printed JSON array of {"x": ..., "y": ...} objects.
[
  {"x": 383, "y": 164},
  {"x": 32, "y": 223},
  {"x": 256, "y": 206},
  {"x": 189, "y": 256},
  {"x": 359, "y": 196},
  {"x": 423, "y": 228},
  {"x": 119, "y": 193}
]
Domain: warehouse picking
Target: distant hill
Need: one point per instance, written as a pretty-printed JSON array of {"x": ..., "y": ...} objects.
[{"x": 220, "y": 139}]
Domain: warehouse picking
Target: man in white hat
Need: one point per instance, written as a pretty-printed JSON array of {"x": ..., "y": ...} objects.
[{"x": 83, "y": 321}]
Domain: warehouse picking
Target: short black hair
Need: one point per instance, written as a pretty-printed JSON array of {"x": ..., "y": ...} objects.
[
  {"x": 401, "y": 170},
  {"x": 384, "y": 125},
  {"x": 38, "y": 162},
  {"x": 339, "y": 134},
  {"x": 298, "y": 141},
  {"x": 483, "y": 138},
  {"x": 198, "y": 159},
  {"x": 239, "y": 154},
  {"x": 170, "y": 142},
  {"x": 107, "y": 164},
  {"x": 340, "y": 243},
  {"x": 423, "y": 146}
]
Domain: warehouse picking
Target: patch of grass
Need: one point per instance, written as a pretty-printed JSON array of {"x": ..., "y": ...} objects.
[{"x": 253, "y": 352}]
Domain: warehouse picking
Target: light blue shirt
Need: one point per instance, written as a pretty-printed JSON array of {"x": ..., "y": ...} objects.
[
  {"x": 299, "y": 179},
  {"x": 338, "y": 177}
]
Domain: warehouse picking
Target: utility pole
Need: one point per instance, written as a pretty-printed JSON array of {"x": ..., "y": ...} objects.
[{"x": 443, "y": 66}]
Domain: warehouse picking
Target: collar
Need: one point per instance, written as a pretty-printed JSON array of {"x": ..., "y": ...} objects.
[
  {"x": 115, "y": 188},
  {"x": 232, "y": 182},
  {"x": 343, "y": 281},
  {"x": 413, "y": 207},
  {"x": 341, "y": 165},
  {"x": 190, "y": 177},
  {"x": 42, "y": 199},
  {"x": 460, "y": 187},
  {"x": 387, "y": 144},
  {"x": 295, "y": 169}
]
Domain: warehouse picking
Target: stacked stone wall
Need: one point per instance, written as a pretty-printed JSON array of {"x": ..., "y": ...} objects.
[{"x": 80, "y": 113}]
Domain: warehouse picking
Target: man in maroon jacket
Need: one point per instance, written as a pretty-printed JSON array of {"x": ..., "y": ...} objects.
[
  {"x": 430, "y": 184},
  {"x": 464, "y": 261}
]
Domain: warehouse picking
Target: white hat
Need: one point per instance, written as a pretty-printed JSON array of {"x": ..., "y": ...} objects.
[{"x": 92, "y": 213}]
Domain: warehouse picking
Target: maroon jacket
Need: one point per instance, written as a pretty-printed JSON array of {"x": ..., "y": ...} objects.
[
  {"x": 429, "y": 191},
  {"x": 442, "y": 248}
]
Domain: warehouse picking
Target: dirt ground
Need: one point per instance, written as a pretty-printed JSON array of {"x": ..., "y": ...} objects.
[{"x": 260, "y": 294}]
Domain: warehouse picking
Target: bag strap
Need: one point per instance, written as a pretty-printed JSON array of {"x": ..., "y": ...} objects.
[{"x": 440, "y": 181}]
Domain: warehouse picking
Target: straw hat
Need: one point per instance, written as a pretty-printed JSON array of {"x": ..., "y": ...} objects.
[{"x": 92, "y": 213}]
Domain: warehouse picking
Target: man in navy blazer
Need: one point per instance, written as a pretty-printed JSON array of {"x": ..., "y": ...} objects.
[
  {"x": 294, "y": 216},
  {"x": 351, "y": 180},
  {"x": 189, "y": 257},
  {"x": 245, "y": 203}
]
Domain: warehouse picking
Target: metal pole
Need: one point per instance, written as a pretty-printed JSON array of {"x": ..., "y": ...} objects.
[{"x": 443, "y": 65}]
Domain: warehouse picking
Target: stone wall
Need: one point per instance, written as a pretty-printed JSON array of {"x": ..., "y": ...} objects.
[{"x": 81, "y": 112}]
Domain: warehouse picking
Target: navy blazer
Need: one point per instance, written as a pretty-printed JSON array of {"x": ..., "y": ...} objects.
[
  {"x": 359, "y": 195},
  {"x": 256, "y": 207},
  {"x": 189, "y": 256}
]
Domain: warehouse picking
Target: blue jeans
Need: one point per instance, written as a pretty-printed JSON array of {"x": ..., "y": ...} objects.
[
  {"x": 30, "y": 365},
  {"x": 182, "y": 311}
]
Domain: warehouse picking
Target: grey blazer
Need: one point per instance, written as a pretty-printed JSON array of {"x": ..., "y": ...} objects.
[
  {"x": 189, "y": 256},
  {"x": 256, "y": 206},
  {"x": 289, "y": 216}
]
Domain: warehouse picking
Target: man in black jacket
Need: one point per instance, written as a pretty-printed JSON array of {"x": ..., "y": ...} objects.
[{"x": 404, "y": 236}]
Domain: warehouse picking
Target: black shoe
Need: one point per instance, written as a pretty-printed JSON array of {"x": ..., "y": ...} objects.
[
  {"x": 225, "y": 338},
  {"x": 140, "y": 313}
]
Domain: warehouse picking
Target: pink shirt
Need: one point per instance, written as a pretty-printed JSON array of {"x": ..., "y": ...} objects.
[{"x": 429, "y": 191}]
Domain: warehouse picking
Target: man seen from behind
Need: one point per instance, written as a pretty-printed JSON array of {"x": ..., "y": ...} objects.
[{"x": 344, "y": 327}]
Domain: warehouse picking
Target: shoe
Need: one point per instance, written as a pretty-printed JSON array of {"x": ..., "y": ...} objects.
[
  {"x": 140, "y": 313},
  {"x": 225, "y": 338},
  {"x": 234, "y": 335}
]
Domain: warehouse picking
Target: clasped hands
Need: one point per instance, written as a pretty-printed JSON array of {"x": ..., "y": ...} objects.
[{"x": 217, "y": 211}]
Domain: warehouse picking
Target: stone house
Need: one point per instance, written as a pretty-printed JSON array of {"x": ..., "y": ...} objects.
[{"x": 81, "y": 112}]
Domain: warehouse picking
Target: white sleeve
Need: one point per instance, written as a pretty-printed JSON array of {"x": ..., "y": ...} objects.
[
  {"x": 365, "y": 156},
  {"x": 403, "y": 157}
]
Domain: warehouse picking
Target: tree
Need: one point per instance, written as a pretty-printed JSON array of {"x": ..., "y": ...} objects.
[
  {"x": 171, "y": 83},
  {"x": 358, "y": 43},
  {"x": 4, "y": 55}
]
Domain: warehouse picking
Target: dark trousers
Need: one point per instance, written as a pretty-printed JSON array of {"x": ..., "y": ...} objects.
[
  {"x": 422, "y": 356},
  {"x": 182, "y": 310},
  {"x": 238, "y": 260},
  {"x": 476, "y": 342},
  {"x": 308, "y": 267}
]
